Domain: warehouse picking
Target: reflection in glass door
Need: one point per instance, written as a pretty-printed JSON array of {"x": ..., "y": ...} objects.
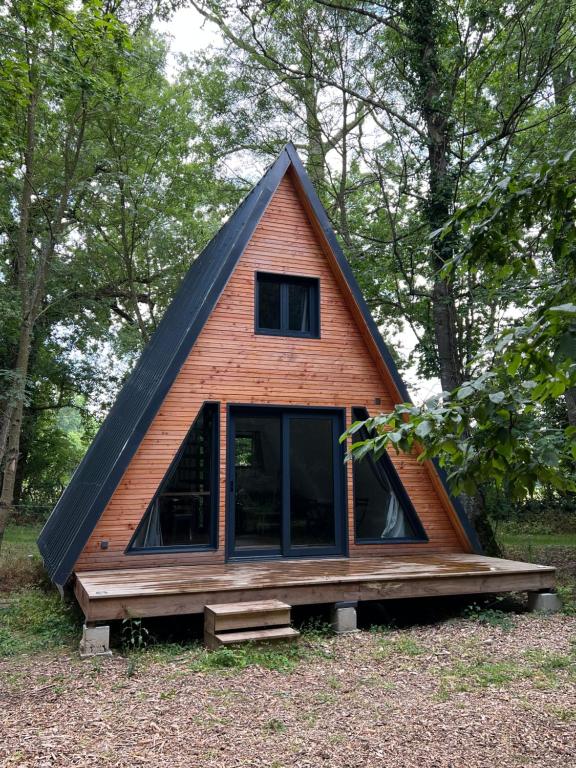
[
  {"x": 258, "y": 483},
  {"x": 311, "y": 459},
  {"x": 286, "y": 476}
]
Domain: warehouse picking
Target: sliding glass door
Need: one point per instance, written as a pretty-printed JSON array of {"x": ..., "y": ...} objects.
[
  {"x": 285, "y": 471},
  {"x": 256, "y": 482}
]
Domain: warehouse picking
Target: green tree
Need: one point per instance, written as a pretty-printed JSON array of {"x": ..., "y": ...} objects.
[
  {"x": 493, "y": 427},
  {"x": 52, "y": 58},
  {"x": 445, "y": 91},
  {"x": 117, "y": 199},
  {"x": 154, "y": 199},
  {"x": 454, "y": 95}
]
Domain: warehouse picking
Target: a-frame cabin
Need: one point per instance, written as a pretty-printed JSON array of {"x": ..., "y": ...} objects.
[{"x": 218, "y": 475}]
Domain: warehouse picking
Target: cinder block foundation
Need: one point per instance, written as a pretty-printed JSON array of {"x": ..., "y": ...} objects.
[
  {"x": 344, "y": 618},
  {"x": 95, "y": 641},
  {"x": 544, "y": 602}
]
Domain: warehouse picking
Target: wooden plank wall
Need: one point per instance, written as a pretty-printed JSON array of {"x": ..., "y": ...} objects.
[{"x": 230, "y": 364}]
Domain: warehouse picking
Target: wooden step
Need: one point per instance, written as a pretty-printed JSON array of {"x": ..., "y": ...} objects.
[
  {"x": 220, "y": 639},
  {"x": 230, "y": 616},
  {"x": 256, "y": 621}
]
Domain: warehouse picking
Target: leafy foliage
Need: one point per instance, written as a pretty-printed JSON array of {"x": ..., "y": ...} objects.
[
  {"x": 123, "y": 198},
  {"x": 406, "y": 115},
  {"x": 491, "y": 428}
]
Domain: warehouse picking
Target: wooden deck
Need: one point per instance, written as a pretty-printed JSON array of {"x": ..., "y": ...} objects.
[{"x": 139, "y": 592}]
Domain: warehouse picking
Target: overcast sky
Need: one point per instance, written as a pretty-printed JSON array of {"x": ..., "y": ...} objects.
[{"x": 189, "y": 31}]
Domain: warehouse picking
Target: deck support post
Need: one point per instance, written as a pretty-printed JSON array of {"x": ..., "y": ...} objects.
[
  {"x": 544, "y": 602},
  {"x": 343, "y": 617},
  {"x": 95, "y": 640}
]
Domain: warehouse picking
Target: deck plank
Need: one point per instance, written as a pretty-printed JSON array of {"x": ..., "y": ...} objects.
[{"x": 178, "y": 590}]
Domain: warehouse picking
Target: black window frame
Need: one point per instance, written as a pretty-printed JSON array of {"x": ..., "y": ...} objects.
[
  {"x": 212, "y": 545},
  {"x": 285, "y": 281},
  {"x": 341, "y": 546},
  {"x": 360, "y": 413}
]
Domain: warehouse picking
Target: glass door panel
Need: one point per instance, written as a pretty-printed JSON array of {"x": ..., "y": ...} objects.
[
  {"x": 286, "y": 483},
  {"x": 311, "y": 480},
  {"x": 258, "y": 482}
]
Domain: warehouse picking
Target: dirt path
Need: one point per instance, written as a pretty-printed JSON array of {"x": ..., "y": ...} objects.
[{"x": 449, "y": 695}]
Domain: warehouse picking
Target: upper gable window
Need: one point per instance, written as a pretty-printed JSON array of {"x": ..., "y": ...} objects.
[{"x": 287, "y": 305}]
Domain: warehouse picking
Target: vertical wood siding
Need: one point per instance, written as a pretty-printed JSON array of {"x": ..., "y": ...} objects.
[{"x": 230, "y": 364}]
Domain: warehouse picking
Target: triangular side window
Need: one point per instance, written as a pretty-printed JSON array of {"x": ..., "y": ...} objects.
[
  {"x": 383, "y": 511},
  {"x": 183, "y": 512}
]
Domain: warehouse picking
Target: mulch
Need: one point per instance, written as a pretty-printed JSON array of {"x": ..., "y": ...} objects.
[{"x": 404, "y": 698}]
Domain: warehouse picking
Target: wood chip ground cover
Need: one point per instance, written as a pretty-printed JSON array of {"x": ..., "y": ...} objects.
[{"x": 442, "y": 696}]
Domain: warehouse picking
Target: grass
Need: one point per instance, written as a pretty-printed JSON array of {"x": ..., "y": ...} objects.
[
  {"x": 556, "y": 549},
  {"x": 275, "y": 726},
  {"x": 403, "y": 646},
  {"x": 279, "y": 657},
  {"x": 36, "y": 621},
  {"x": 486, "y": 614},
  {"x": 538, "y": 539},
  {"x": 542, "y": 667},
  {"x": 20, "y": 563},
  {"x": 469, "y": 676},
  {"x": 565, "y": 714},
  {"x": 34, "y": 618},
  {"x": 20, "y": 541}
]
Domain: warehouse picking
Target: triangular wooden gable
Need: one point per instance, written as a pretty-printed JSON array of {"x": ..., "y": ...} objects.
[{"x": 280, "y": 228}]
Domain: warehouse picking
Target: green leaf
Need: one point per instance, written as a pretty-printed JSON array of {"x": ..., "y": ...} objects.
[
  {"x": 450, "y": 446},
  {"x": 359, "y": 450},
  {"x": 550, "y": 456},
  {"x": 566, "y": 347},
  {"x": 505, "y": 449},
  {"x": 557, "y": 388},
  {"x": 423, "y": 429},
  {"x": 496, "y": 397},
  {"x": 514, "y": 364},
  {"x": 355, "y": 427},
  {"x": 499, "y": 463},
  {"x": 464, "y": 392}
]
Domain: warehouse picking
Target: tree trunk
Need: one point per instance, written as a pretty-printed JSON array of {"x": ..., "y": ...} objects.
[
  {"x": 562, "y": 79},
  {"x": 475, "y": 508},
  {"x": 570, "y": 398},
  {"x": 445, "y": 334},
  {"x": 23, "y": 455},
  {"x": 315, "y": 161},
  {"x": 6, "y": 409},
  {"x": 32, "y": 295},
  {"x": 13, "y": 444},
  {"x": 13, "y": 418},
  {"x": 422, "y": 18},
  {"x": 128, "y": 256}
]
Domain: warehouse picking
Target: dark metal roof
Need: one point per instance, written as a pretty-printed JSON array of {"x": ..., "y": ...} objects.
[{"x": 80, "y": 506}]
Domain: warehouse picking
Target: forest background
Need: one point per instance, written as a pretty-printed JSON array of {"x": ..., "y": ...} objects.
[{"x": 439, "y": 135}]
